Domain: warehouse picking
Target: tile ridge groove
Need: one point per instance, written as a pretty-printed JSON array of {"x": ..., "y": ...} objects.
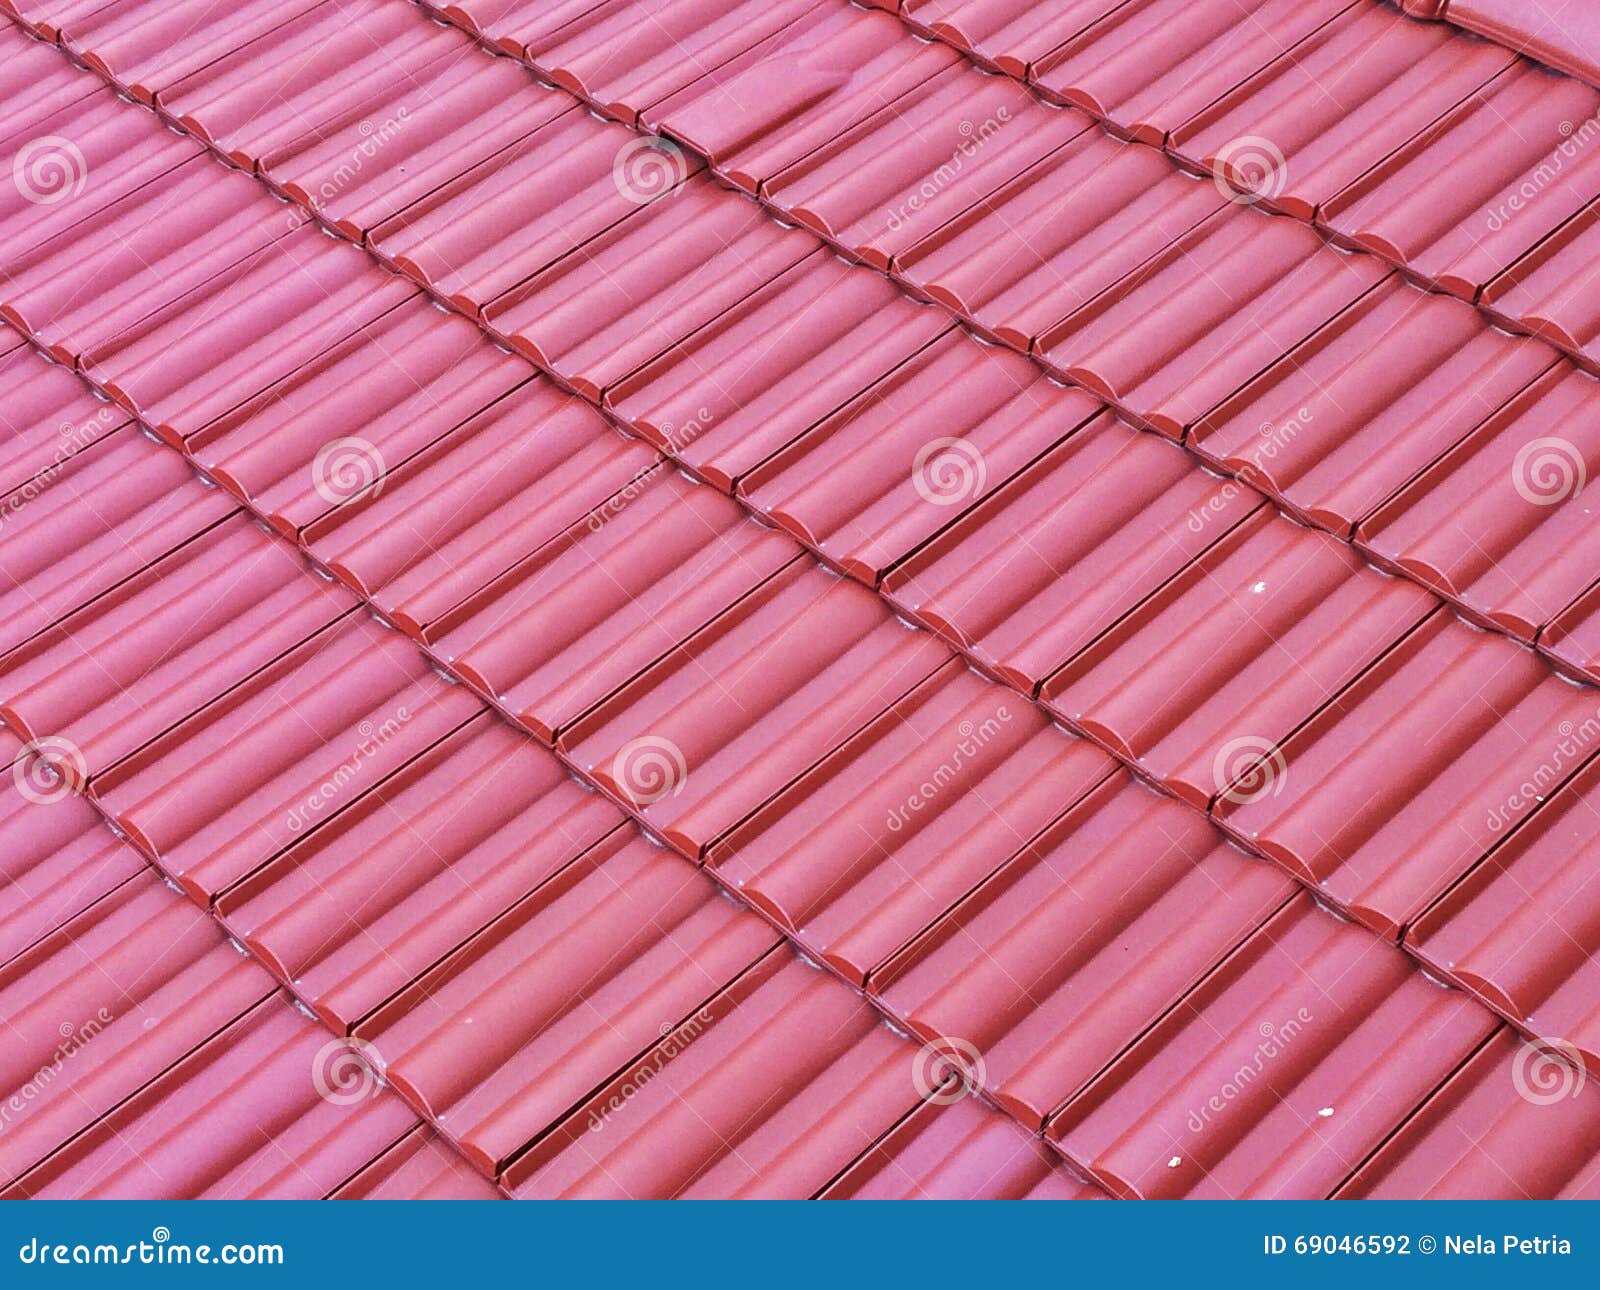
[{"x": 623, "y": 427}]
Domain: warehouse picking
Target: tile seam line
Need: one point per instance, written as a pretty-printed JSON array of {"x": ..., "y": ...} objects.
[
  {"x": 962, "y": 320},
  {"x": 973, "y": 331},
  {"x": 756, "y": 516}
]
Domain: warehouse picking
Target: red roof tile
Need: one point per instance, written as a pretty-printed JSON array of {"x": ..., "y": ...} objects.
[
  {"x": 731, "y": 394},
  {"x": 1063, "y": 957},
  {"x": 1147, "y": 67},
  {"x": 1320, "y": 116},
  {"x": 49, "y": 416},
  {"x": 56, "y": 855},
  {"x": 812, "y": 658},
  {"x": 1362, "y": 406},
  {"x": 959, "y": 1151},
  {"x": 271, "y": 1109},
  {"x": 120, "y": 993},
  {"x": 1551, "y": 291},
  {"x": 1492, "y": 177},
  {"x": 1519, "y": 931},
  {"x": 643, "y": 285},
  {"x": 1563, "y": 35},
  {"x": 1060, "y": 553},
  {"x": 1512, "y": 1124},
  {"x": 167, "y": 641},
  {"x": 1216, "y": 308},
  {"x": 102, "y": 512},
  {"x": 936, "y": 151},
  {"x": 223, "y": 792},
  {"x": 356, "y": 911},
  {"x": 619, "y": 590},
  {"x": 1500, "y": 524},
  {"x": 1401, "y": 784},
  {"x": 690, "y": 1120},
  {"x": 474, "y": 502},
  {"x": 421, "y": 1166},
  {"x": 622, "y": 947},
  {"x": 1007, "y": 34},
  {"x": 1279, "y": 1075},
  {"x": 1275, "y": 620},
  {"x": 1052, "y": 239},
  {"x": 908, "y": 457},
  {"x": 827, "y": 71},
  {"x": 883, "y": 837}
]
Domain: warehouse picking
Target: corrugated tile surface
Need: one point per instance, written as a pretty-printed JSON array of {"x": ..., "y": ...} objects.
[
  {"x": 359, "y": 909},
  {"x": 1565, "y": 36},
  {"x": 1365, "y": 404},
  {"x": 1321, "y": 115},
  {"x": 48, "y": 415},
  {"x": 1502, "y": 524},
  {"x": 1279, "y": 1075},
  {"x": 525, "y": 1021},
  {"x": 1059, "y": 961},
  {"x": 224, "y": 791},
  {"x": 422, "y": 1166},
  {"x": 1060, "y": 553},
  {"x": 882, "y": 838},
  {"x": 1468, "y": 196},
  {"x": 1521, "y": 929},
  {"x": 271, "y": 1109},
  {"x": 811, "y": 658},
  {"x": 1401, "y": 784},
  {"x": 1551, "y": 291},
  {"x": 1275, "y": 620},
  {"x": 1515, "y": 1123},
  {"x": 959, "y": 1151},
  {"x": 616, "y": 592},
  {"x": 114, "y": 997},
  {"x": 56, "y": 855},
  {"x": 771, "y": 1090}
]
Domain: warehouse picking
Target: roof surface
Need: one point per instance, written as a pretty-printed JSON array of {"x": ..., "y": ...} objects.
[{"x": 729, "y": 598}]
